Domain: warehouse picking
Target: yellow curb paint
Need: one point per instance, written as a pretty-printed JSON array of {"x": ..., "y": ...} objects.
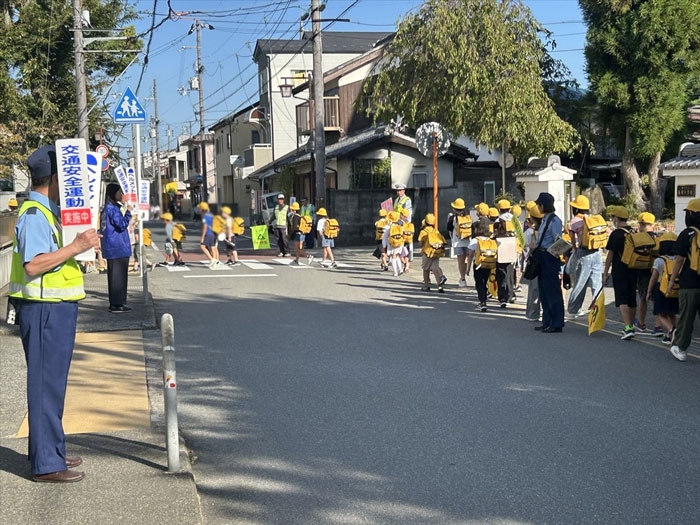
[{"x": 106, "y": 386}]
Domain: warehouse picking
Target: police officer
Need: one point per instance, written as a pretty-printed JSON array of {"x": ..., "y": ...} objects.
[
  {"x": 279, "y": 223},
  {"x": 46, "y": 283}
]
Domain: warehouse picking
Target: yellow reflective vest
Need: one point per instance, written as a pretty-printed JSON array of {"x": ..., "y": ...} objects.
[{"x": 63, "y": 284}]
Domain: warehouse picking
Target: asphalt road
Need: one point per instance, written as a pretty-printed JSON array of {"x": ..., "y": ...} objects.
[{"x": 348, "y": 396}]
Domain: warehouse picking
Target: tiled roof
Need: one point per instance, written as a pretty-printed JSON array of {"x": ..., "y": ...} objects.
[
  {"x": 333, "y": 42},
  {"x": 689, "y": 159}
]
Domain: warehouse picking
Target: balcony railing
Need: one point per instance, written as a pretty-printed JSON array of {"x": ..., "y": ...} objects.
[
  {"x": 257, "y": 155},
  {"x": 331, "y": 122}
]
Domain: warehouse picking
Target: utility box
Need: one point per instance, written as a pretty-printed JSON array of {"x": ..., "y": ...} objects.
[
  {"x": 685, "y": 168},
  {"x": 549, "y": 176}
]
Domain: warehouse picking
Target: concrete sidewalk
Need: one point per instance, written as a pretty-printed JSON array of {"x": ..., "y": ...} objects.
[{"x": 111, "y": 419}]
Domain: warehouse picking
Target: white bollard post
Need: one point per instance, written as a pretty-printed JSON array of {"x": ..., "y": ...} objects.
[{"x": 172, "y": 438}]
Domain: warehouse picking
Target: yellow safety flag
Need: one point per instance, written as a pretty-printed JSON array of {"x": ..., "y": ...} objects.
[
  {"x": 260, "y": 237},
  {"x": 596, "y": 316}
]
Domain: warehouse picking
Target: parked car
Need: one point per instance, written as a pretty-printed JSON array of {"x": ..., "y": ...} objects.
[{"x": 610, "y": 188}]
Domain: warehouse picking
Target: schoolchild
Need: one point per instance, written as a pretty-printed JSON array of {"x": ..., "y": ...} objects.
[
  {"x": 624, "y": 278},
  {"x": 293, "y": 225},
  {"x": 406, "y": 254},
  {"x": 379, "y": 226},
  {"x": 689, "y": 281},
  {"x": 229, "y": 242},
  {"x": 430, "y": 259},
  {"x": 137, "y": 247},
  {"x": 393, "y": 251},
  {"x": 208, "y": 240},
  {"x": 459, "y": 228},
  {"x": 172, "y": 247},
  {"x": 326, "y": 244},
  {"x": 585, "y": 264},
  {"x": 646, "y": 224},
  {"x": 481, "y": 274},
  {"x": 505, "y": 272},
  {"x": 665, "y": 308}
]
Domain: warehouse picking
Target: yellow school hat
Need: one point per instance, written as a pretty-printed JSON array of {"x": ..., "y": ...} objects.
[
  {"x": 430, "y": 219},
  {"x": 503, "y": 204},
  {"x": 493, "y": 213},
  {"x": 530, "y": 205},
  {"x": 516, "y": 210},
  {"x": 226, "y": 209},
  {"x": 294, "y": 206},
  {"x": 693, "y": 205},
  {"x": 167, "y": 216},
  {"x": 621, "y": 212},
  {"x": 535, "y": 213},
  {"x": 322, "y": 212},
  {"x": 646, "y": 218},
  {"x": 382, "y": 212},
  {"x": 458, "y": 204},
  {"x": 581, "y": 202},
  {"x": 482, "y": 208},
  {"x": 393, "y": 216},
  {"x": 404, "y": 212},
  {"x": 203, "y": 206}
]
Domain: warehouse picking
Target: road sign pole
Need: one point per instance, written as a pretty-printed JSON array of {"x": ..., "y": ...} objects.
[{"x": 137, "y": 149}]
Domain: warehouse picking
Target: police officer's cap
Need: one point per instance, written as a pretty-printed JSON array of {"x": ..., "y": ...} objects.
[{"x": 42, "y": 163}]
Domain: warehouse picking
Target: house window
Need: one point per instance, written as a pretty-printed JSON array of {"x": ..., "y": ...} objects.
[
  {"x": 420, "y": 180},
  {"x": 255, "y": 137},
  {"x": 262, "y": 81},
  {"x": 299, "y": 76},
  {"x": 368, "y": 174},
  {"x": 489, "y": 191},
  {"x": 228, "y": 141}
]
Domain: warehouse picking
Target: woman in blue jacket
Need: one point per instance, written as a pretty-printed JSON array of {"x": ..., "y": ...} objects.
[{"x": 116, "y": 247}]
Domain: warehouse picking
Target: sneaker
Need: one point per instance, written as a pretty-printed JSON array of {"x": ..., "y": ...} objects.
[
  {"x": 280, "y": 254},
  {"x": 162, "y": 264},
  {"x": 443, "y": 280},
  {"x": 425, "y": 288},
  {"x": 229, "y": 263},
  {"x": 666, "y": 339},
  {"x": 462, "y": 283},
  {"x": 287, "y": 254},
  {"x": 679, "y": 354},
  {"x": 482, "y": 307},
  {"x": 441, "y": 289},
  {"x": 234, "y": 263},
  {"x": 659, "y": 332},
  {"x": 580, "y": 313},
  {"x": 310, "y": 259},
  {"x": 503, "y": 304},
  {"x": 628, "y": 333},
  {"x": 640, "y": 327},
  {"x": 334, "y": 264},
  {"x": 180, "y": 263},
  {"x": 294, "y": 263},
  {"x": 386, "y": 268}
]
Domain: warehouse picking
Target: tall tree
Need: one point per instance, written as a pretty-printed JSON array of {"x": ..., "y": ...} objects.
[
  {"x": 37, "y": 81},
  {"x": 641, "y": 56},
  {"x": 475, "y": 66}
]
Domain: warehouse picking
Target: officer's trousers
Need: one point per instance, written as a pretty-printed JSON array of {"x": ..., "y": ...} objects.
[
  {"x": 551, "y": 299},
  {"x": 48, "y": 337}
]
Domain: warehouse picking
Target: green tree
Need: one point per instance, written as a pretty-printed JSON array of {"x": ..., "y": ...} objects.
[
  {"x": 37, "y": 83},
  {"x": 641, "y": 56},
  {"x": 476, "y": 67}
]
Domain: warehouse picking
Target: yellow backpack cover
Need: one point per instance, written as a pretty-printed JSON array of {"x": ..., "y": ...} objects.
[
  {"x": 666, "y": 277},
  {"x": 379, "y": 229},
  {"x": 179, "y": 232},
  {"x": 146, "y": 237},
  {"x": 464, "y": 226},
  {"x": 409, "y": 230},
  {"x": 331, "y": 229},
  {"x": 638, "y": 250},
  {"x": 694, "y": 254},
  {"x": 434, "y": 244},
  {"x": 238, "y": 226},
  {"x": 218, "y": 224},
  {"x": 595, "y": 232},
  {"x": 395, "y": 235},
  {"x": 486, "y": 253},
  {"x": 306, "y": 222}
]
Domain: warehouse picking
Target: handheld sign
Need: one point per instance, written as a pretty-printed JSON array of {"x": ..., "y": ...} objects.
[
  {"x": 73, "y": 186},
  {"x": 144, "y": 204}
]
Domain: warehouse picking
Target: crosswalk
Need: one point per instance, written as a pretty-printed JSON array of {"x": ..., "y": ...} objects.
[{"x": 253, "y": 264}]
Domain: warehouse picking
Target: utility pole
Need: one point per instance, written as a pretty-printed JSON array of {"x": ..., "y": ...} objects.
[
  {"x": 197, "y": 26},
  {"x": 319, "y": 106},
  {"x": 80, "y": 83},
  {"x": 156, "y": 168}
]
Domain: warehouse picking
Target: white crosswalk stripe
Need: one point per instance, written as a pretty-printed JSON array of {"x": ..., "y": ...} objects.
[{"x": 256, "y": 265}]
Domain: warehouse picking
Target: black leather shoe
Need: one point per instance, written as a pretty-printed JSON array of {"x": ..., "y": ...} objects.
[
  {"x": 540, "y": 328},
  {"x": 550, "y": 330},
  {"x": 63, "y": 476},
  {"x": 74, "y": 462}
]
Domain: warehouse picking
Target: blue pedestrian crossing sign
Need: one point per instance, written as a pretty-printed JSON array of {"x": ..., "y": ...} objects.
[{"x": 129, "y": 110}]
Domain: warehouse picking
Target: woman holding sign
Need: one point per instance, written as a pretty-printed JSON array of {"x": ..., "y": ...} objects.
[{"x": 116, "y": 248}]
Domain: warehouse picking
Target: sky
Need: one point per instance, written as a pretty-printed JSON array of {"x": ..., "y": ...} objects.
[{"x": 230, "y": 80}]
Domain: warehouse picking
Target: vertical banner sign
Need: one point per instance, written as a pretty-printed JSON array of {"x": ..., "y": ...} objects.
[
  {"x": 130, "y": 196},
  {"x": 387, "y": 205},
  {"x": 94, "y": 165},
  {"x": 120, "y": 172},
  {"x": 144, "y": 200},
  {"x": 260, "y": 237},
  {"x": 73, "y": 185}
]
